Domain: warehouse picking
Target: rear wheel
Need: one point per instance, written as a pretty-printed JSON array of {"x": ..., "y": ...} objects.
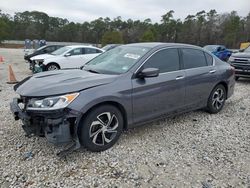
[
  {"x": 52, "y": 66},
  {"x": 216, "y": 99},
  {"x": 237, "y": 78},
  {"x": 101, "y": 128}
]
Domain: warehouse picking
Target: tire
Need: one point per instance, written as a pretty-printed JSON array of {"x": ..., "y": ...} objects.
[
  {"x": 52, "y": 66},
  {"x": 216, "y": 99},
  {"x": 105, "y": 120},
  {"x": 237, "y": 78}
]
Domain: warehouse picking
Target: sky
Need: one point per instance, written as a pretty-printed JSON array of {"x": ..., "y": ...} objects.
[{"x": 83, "y": 10}]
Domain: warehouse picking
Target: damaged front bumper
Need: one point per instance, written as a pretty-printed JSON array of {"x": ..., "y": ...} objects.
[{"x": 58, "y": 126}]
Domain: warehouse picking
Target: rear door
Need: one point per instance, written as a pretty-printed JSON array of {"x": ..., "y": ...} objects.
[
  {"x": 153, "y": 97},
  {"x": 200, "y": 76}
]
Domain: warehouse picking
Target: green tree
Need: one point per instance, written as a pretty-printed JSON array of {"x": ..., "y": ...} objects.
[
  {"x": 148, "y": 36},
  {"x": 112, "y": 37},
  {"x": 3, "y": 30}
]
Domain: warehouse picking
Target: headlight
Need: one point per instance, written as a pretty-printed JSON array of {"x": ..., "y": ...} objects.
[
  {"x": 39, "y": 61},
  {"x": 51, "y": 103}
]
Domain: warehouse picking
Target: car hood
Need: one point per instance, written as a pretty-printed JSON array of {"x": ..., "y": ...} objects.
[
  {"x": 241, "y": 55},
  {"x": 42, "y": 56},
  {"x": 60, "y": 82}
]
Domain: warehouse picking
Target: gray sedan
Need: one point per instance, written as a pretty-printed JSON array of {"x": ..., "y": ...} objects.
[{"x": 122, "y": 88}]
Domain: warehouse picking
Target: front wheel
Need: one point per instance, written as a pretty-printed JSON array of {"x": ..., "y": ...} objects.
[
  {"x": 216, "y": 99},
  {"x": 52, "y": 66},
  {"x": 101, "y": 128}
]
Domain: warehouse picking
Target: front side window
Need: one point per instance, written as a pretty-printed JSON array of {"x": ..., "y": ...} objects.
[
  {"x": 77, "y": 51},
  {"x": 193, "y": 58},
  {"x": 166, "y": 60}
]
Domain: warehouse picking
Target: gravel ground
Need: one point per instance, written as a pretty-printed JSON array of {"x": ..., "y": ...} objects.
[{"x": 195, "y": 149}]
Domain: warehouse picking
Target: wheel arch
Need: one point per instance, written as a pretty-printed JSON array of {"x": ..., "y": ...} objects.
[
  {"x": 53, "y": 63},
  {"x": 225, "y": 85},
  {"x": 115, "y": 104}
]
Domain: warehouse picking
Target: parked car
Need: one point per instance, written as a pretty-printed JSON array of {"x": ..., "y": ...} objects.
[
  {"x": 122, "y": 88},
  {"x": 220, "y": 51},
  {"x": 110, "y": 46},
  {"x": 43, "y": 50},
  {"x": 67, "y": 57},
  {"x": 241, "y": 62}
]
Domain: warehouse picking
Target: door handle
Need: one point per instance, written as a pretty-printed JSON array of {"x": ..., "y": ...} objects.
[
  {"x": 212, "y": 71},
  {"x": 179, "y": 77}
]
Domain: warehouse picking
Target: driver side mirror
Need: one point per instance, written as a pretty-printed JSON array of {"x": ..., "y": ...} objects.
[
  {"x": 67, "y": 55},
  {"x": 148, "y": 73}
]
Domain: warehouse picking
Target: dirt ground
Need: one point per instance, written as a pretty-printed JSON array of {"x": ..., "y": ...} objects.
[{"x": 195, "y": 149}]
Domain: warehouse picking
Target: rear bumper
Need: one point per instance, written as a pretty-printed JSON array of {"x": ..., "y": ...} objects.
[{"x": 59, "y": 127}]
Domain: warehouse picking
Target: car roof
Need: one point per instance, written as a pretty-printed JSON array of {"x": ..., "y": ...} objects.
[
  {"x": 161, "y": 44},
  {"x": 81, "y": 46}
]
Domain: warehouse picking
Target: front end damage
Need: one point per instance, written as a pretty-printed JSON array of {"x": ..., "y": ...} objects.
[{"x": 58, "y": 126}]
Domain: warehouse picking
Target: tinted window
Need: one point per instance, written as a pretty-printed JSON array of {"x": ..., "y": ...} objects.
[
  {"x": 50, "y": 49},
  {"x": 165, "y": 60},
  {"x": 57, "y": 47},
  {"x": 193, "y": 58},
  {"x": 76, "y": 51},
  {"x": 90, "y": 51},
  {"x": 209, "y": 59}
]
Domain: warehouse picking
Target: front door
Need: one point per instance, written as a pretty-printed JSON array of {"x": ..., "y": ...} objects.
[
  {"x": 153, "y": 97},
  {"x": 74, "y": 60}
]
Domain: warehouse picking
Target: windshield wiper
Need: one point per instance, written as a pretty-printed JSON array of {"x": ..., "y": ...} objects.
[{"x": 91, "y": 70}]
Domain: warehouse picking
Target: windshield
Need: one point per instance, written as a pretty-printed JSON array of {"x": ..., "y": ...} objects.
[
  {"x": 210, "y": 48},
  {"x": 61, "y": 50},
  {"x": 116, "y": 61}
]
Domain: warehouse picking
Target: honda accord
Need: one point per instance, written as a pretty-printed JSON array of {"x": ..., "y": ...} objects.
[{"x": 122, "y": 88}]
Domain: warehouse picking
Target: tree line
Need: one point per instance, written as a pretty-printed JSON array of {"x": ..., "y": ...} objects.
[{"x": 200, "y": 29}]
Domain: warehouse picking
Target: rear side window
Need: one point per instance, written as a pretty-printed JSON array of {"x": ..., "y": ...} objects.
[
  {"x": 166, "y": 60},
  {"x": 209, "y": 59},
  {"x": 193, "y": 58},
  {"x": 91, "y": 51}
]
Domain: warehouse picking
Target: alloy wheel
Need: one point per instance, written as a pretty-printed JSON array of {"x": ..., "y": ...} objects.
[
  {"x": 103, "y": 129},
  {"x": 52, "y": 67},
  {"x": 218, "y": 99}
]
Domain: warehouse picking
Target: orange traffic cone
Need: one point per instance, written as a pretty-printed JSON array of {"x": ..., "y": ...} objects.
[
  {"x": 1, "y": 59},
  {"x": 12, "y": 78}
]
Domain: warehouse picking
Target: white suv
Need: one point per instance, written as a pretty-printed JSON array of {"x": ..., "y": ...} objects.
[{"x": 66, "y": 57}]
